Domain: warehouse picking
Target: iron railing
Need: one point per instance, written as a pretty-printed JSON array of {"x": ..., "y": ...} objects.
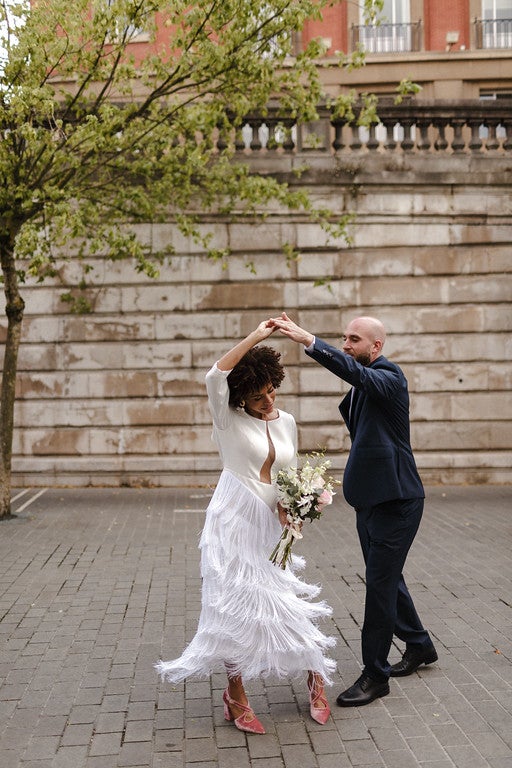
[
  {"x": 493, "y": 33},
  {"x": 387, "y": 38}
]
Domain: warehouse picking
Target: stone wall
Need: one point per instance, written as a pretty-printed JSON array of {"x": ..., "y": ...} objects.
[{"x": 117, "y": 397}]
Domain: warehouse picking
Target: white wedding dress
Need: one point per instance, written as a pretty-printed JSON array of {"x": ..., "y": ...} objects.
[{"x": 256, "y": 618}]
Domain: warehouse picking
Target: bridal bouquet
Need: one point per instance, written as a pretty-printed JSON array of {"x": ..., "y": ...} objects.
[{"x": 303, "y": 492}]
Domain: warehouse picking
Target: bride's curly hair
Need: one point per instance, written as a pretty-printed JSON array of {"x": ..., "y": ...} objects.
[{"x": 257, "y": 368}]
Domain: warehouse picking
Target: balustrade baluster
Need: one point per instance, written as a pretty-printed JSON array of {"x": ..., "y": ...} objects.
[
  {"x": 239, "y": 140},
  {"x": 288, "y": 143},
  {"x": 440, "y": 143},
  {"x": 507, "y": 141},
  {"x": 492, "y": 142},
  {"x": 423, "y": 140},
  {"x": 272, "y": 141},
  {"x": 372, "y": 144},
  {"x": 390, "y": 143},
  {"x": 221, "y": 142},
  {"x": 475, "y": 142},
  {"x": 355, "y": 144},
  {"x": 407, "y": 142},
  {"x": 458, "y": 143},
  {"x": 255, "y": 144},
  {"x": 338, "y": 142}
]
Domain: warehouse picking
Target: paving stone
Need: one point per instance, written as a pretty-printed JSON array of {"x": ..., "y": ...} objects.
[
  {"x": 105, "y": 744},
  {"x": 139, "y": 730},
  {"x": 234, "y": 758},
  {"x": 41, "y": 748},
  {"x": 200, "y": 749},
  {"x": 80, "y": 635},
  {"x": 70, "y": 757},
  {"x": 136, "y": 754}
]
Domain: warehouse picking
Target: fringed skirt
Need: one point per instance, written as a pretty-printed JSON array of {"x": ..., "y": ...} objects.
[{"x": 256, "y": 618}]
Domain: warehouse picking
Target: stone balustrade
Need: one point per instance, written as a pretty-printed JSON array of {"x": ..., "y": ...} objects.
[{"x": 410, "y": 127}]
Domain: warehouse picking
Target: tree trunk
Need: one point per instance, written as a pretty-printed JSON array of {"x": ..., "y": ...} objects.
[{"x": 14, "y": 310}]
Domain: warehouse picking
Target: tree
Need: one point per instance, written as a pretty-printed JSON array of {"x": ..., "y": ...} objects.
[{"x": 92, "y": 136}]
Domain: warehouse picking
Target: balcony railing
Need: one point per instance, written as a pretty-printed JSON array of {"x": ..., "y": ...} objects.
[
  {"x": 387, "y": 38},
  {"x": 493, "y": 33},
  {"x": 473, "y": 127}
]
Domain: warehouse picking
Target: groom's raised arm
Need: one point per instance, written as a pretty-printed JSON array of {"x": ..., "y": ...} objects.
[{"x": 336, "y": 361}]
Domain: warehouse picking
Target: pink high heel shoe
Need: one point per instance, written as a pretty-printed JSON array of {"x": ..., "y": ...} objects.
[
  {"x": 317, "y": 697},
  {"x": 247, "y": 721}
]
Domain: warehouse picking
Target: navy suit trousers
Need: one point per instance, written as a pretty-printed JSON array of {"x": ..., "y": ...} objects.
[{"x": 386, "y": 532}]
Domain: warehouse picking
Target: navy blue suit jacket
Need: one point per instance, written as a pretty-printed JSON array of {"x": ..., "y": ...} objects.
[{"x": 381, "y": 465}]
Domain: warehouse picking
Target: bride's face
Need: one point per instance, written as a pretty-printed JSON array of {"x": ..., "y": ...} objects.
[{"x": 261, "y": 404}]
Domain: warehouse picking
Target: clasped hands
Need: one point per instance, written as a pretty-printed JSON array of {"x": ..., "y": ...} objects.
[{"x": 290, "y": 329}]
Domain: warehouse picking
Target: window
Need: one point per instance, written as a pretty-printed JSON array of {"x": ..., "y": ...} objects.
[
  {"x": 495, "y": 95},
  {"x": 391, "y": 32},
  {"x": 496, "y": 23},
  {"x": 486, "y": 95},
  {"x": 124, "y": 29}
]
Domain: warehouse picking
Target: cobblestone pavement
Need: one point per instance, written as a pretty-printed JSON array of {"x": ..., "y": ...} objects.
[{"x": 97, "y": 584}]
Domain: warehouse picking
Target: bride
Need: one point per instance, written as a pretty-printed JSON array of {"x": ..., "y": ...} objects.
[{"x": 256, "y": 618}]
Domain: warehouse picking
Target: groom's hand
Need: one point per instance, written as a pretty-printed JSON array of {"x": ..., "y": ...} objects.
[{"x": 292, "y": 330}]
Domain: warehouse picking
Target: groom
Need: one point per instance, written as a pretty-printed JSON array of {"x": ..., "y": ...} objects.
[{"x": 382, "y": 483}]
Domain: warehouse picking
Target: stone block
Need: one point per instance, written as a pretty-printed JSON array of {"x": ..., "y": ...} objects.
[
  {"x": 448, "y": 377},
  {"x": 375, "y": 234},
  {"x": 312, "y": 265},
  {"x": 443, "y": 436},
  {"x": 101, "y": 328},
  {"x": 48, "y": 384},
  {"x": 391, "y": 290},
  {"x": 55, "y": 441},
  {"x": 463, "y": 259},
  {"x": 332, "y": 295},
  {"x": 78, "y": 413},
  {"x": 475, "y": 404},
  {"x": 120, "y": 384},
  {"x": 447, "y": 348},
  {"x": 37, "y": 330},
  {"x": 318, "y": 381},
  {"x": 268, "y": 235},
  {"x": 161, "y": 413},
  {"x": 39, "y": 357},
  {"x": 377, "y": 261},
  {"x": 191, "y": 268},
  {"x": 492, "y": 289},
  {"x": 237, "y": 295},
  {"x": 156, "y": 298},
  {"x": 197, "y": 325},
  {"x": 312, "y": 237},
  {"x": 187, "y": 245},
  {"x": 88, "y": 356},
  {"x": 330, "y": 437},
  {"x": 179, "y": 382}
]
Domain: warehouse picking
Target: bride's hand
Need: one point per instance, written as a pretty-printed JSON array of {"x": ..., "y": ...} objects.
[
  {"x": 283, "y": 518},
  {"x": 283, "y": 515},
  {"x": 265, "y": 329}
]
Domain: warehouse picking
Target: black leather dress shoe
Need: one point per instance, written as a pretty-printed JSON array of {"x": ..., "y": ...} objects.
[
  {"x": 412, "y": 659},
  {"x": 362, "y": 692}
]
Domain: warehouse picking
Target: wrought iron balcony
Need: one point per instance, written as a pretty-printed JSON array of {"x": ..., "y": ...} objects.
[
  {"x": 387, "y": 38},
  {"x": 493, "y": 33}
]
